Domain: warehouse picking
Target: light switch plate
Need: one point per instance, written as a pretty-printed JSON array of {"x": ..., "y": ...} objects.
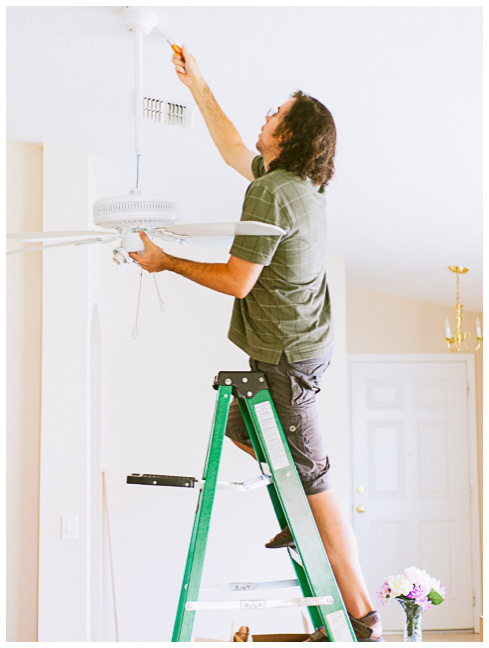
[{"x": 69, "y": 526}]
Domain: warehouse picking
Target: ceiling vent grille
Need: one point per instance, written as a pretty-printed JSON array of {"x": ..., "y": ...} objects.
[{"x": 167, "y": 112}]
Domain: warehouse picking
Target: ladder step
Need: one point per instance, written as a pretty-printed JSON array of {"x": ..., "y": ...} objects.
[
  {"x": 248, "y": 587},
  {"x": 192, "y": 482},
  {"x": 258, "y": 604}
]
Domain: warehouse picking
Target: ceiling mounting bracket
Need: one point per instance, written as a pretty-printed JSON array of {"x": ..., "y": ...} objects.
[{"x": 139, "y": 19}]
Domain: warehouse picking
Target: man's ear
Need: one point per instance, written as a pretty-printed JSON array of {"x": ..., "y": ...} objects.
[{"x": 285, "y": 136}]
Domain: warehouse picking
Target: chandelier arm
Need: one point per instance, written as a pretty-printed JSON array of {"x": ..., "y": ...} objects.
[
  {"x": 476, "y": 348},
  {"x": 450, "y": 344}
]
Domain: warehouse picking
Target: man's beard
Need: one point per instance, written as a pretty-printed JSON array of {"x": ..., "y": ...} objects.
[{"x": 258, "y": 146}]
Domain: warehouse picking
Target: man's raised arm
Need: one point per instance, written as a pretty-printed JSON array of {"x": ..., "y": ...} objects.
[{"x": 225, "y": 136}]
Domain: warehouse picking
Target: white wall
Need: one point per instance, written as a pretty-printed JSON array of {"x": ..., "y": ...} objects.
[
  {"x": 70, "y": 481},
  {"x": 23, "y": 421}
]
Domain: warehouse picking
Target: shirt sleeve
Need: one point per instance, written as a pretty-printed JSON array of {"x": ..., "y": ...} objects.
[{"x": 262, "y": 205}]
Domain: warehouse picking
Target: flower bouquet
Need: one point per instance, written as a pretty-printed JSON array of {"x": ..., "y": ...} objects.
[{"x": 416, "y": 591}]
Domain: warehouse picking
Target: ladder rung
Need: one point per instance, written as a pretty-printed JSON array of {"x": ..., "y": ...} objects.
[
  {"x": 248, "y": 587},
  {"x": 248, "y": 485},
  {"x": 259, "y": 604}
]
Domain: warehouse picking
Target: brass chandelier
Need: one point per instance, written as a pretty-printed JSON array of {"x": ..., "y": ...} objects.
[{"x": 458, "y": 340}]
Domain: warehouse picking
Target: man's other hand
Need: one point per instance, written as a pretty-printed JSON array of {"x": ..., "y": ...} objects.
[{"x": 153, "y": 259}]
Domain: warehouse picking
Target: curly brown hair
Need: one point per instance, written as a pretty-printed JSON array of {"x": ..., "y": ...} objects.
[{"x": 308, "y": 140}]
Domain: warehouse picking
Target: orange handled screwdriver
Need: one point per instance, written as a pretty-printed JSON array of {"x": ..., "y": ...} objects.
[{"x": 175, "y": 48}]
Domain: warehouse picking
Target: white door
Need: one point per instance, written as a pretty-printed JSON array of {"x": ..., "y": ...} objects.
[{"x": 411, "y": 473}]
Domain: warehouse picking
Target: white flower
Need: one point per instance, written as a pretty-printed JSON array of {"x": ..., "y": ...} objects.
[
  {"x": 399, "y": 585},
  {"x": 417, "y": 576}
]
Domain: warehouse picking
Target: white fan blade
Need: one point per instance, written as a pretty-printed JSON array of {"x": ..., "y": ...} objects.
[
  {"x": 65, "y": 243},
  {"x": 205, "y": 241},
  {"x": 33, "y": 237},
  {"x": 245, "y": 228}
]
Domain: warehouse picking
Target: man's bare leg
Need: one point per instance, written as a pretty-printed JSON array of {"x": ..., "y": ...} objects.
[{"x": 341, "y": 548}]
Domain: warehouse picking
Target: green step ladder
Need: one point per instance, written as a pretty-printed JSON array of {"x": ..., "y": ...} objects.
[{"x": 314, "y": 574}]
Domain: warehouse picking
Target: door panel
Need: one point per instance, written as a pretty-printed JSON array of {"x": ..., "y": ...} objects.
[{"x": 411, "y": 454}]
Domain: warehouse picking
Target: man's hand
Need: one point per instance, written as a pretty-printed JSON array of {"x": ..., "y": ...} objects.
[
  {"x": 153, "y": 259},
  {"x": 187, "y": 69}
]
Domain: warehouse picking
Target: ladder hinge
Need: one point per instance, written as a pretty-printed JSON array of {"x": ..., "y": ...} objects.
[{"x": 247, "y": 383}]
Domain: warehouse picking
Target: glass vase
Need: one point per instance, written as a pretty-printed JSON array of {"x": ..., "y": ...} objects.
[{"x": 412, "y": 620}]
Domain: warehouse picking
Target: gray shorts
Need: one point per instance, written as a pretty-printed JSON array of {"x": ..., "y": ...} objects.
[{"x": 293, "y": 388}]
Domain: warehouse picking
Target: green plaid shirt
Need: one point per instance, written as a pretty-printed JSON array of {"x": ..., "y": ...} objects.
[{"x": 288, "y": 309}]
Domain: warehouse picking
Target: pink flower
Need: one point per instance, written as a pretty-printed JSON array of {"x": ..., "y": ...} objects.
[
  {"x": 419, "y": 594},
  {"x": 383, "y": 593},
  {"x": 442, "y": 591}
]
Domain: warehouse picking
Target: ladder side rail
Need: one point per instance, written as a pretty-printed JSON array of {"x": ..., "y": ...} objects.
[
  {"x": 198, "y": 542},
  {"x": 250, "y": 428},
  {"x": 295, "y": 506},
  {"x": 279, "y": 513},
  {"x": 277, "y": 507},
  {"x": 271, "y": 488},
  {"x": 272, "y": 491}
]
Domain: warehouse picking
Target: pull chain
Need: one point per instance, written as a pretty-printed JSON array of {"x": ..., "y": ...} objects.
[
  {"x": 162, "y": 303},
  {"x": 135, "y": 329}
]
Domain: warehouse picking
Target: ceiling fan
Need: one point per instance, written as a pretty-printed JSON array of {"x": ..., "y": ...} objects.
[{"x": 123, "y": 217}]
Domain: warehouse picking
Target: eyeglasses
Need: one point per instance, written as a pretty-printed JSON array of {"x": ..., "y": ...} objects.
[{"x": 272, "y": 113}]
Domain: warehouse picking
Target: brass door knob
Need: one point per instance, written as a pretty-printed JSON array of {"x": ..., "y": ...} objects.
[
  {"x": 360, "y": 490},
  {"x": 361, "y": 508}
]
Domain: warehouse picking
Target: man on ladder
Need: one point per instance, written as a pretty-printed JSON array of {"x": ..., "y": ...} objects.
[{"x": 282, "y": 315}]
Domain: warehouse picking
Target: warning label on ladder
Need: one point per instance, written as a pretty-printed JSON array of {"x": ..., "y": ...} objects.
[
  {"x": 271, "y": 433},
  {"x": 339, "y": 626}
]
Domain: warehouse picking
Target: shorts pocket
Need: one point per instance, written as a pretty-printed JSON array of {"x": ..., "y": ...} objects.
[{"x": 305, "y": 380}]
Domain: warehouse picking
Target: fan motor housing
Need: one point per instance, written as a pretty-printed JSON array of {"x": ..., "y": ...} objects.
[
  {"x": 139, "y": 19},
  {"x": 135, "y": 211}
]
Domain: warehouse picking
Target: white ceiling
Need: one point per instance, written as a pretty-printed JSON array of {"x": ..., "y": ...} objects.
[{"x": 404, "y": 85}]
